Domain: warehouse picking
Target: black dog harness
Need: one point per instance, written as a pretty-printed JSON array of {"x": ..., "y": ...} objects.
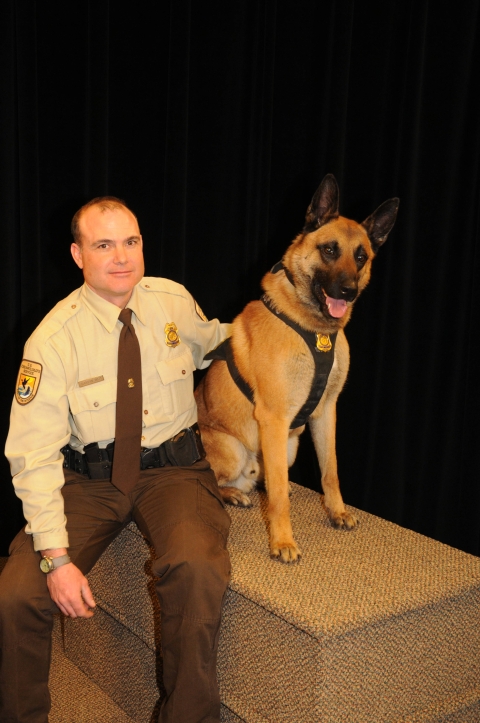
[{"x": 321, "y": 347}]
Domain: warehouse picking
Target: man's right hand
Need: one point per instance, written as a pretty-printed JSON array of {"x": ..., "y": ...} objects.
[{"x": 69, "y": 589}]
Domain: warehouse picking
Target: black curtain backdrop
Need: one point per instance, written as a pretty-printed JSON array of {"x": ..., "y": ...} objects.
[{"x": 216, "y": 122}]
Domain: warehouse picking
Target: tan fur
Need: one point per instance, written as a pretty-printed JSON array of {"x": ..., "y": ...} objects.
[{"x": 246, "y": 442}]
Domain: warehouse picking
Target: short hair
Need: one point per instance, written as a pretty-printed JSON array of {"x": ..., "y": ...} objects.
[{"x": 105, "y": 203}]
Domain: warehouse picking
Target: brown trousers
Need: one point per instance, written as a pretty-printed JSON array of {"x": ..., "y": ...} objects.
[{"x": 180, "y": 511}]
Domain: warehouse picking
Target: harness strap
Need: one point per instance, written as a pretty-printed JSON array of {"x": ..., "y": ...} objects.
[
  {"x": 323, "y": 361},
  {"x": 279, "y": 267},
  {"x": 223, "y": 352}
]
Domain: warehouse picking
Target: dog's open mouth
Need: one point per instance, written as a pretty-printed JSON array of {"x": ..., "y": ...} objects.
[{"x": 336, "y": 307}]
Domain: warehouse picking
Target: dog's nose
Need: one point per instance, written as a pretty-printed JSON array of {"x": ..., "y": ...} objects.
[{"x": 348, "y": 292}]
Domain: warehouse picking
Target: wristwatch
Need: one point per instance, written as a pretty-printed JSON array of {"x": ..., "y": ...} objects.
[{"x": 49, "y": 564}]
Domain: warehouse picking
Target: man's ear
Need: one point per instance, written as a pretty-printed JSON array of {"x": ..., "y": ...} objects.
[{"x": 77, "y": 255}]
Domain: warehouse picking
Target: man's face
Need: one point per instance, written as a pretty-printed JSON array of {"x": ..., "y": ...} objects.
[{"x": 111, "y": 253}]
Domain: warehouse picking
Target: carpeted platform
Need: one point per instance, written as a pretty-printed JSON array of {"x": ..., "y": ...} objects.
[
  {"x": 377, "y": 625},
  {"x": 76, "y": 698}
]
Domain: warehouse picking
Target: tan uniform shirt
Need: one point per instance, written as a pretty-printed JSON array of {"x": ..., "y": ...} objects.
[{"x": 67, "y": 387}]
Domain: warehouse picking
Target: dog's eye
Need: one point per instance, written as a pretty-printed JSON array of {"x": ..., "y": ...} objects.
[
  {"x": 361, "y": 256},
  {"x": 329, "y": 250}
]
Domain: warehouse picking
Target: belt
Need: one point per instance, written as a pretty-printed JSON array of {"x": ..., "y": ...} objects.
[{"x": 182, "y": 450}]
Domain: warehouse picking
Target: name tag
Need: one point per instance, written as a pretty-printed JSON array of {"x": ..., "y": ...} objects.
[{"x": 92, "y": 380}]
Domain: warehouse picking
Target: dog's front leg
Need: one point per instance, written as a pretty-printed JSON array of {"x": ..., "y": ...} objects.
[
  {"x": 323, "y": 434},
  {"x": 274, "y": 441}
]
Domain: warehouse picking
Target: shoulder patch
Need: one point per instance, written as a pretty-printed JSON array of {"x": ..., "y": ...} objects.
[
  {"x": 28, "y": 381},
  {"x": 200, "y": 312}
]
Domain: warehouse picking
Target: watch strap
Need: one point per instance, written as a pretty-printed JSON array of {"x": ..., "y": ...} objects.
[
  {"x": 54, "y": 562},
  {"x": 60, "y": 560}
]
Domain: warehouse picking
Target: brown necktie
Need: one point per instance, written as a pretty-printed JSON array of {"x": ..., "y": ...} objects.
[{"x": 128, "y": 420}]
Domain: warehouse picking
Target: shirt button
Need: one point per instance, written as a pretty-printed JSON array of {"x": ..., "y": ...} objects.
[
  {"x": 74, "y": 306},
  {"x": 95, "y": 404},
  {"x": 183, "y": 371},
  {"x": 147, "y": 286},
  {"x": 145, "y": 411},
  {"x": 143, "y": 438}
]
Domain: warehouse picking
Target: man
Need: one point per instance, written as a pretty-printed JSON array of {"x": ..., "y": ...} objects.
[{"x": 74, "y": 479}]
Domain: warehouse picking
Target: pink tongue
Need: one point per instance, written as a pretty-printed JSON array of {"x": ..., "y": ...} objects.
[{"x": 336, "y": 307}]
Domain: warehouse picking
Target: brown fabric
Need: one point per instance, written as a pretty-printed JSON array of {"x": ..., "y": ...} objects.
[
  {"x": 128, "y": 420},
  {"x": 180, "y": 511}
]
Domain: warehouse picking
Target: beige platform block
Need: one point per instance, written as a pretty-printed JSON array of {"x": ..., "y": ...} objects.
[
  {"x": 376, "y": 625},
  {"x": 75, "y": 697}
]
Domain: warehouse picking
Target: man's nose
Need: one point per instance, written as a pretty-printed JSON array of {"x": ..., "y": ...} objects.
[{"x": 120, "y": 255}]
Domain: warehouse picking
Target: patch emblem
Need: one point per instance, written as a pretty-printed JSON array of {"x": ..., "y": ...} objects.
[
  {"x": 171, "y": 335},
  {"x": 200, "y": 312},
  {"x": 28, "y": 381},
  {"x": 323, "y": 342}
]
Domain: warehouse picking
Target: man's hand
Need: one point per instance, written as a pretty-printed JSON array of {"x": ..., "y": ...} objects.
[{"x": 69, "y": 588}]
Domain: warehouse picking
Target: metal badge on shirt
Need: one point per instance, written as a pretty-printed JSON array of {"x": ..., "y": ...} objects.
[
  {"x": 171, "y": 335},
  {"x": 28, "y": 381}
]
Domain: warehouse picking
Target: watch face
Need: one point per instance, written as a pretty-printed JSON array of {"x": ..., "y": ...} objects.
[{"x": 45, "y": 565}]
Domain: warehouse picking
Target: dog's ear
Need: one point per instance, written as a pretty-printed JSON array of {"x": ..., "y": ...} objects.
[
  {"x": 324, "y": 205},
  {"x": 379, "y": 224}
]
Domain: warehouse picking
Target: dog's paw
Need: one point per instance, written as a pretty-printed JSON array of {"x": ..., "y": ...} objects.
[
  {"x": 234, "y": 496},
  {"x": 343, "y": 521},
  {"x": 285, "y": 552}
]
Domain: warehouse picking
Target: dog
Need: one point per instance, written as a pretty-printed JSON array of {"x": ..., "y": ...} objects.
[{"x": 286, "y": 363}]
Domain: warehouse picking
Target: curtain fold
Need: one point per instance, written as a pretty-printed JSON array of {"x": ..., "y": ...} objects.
[{"x": 216, "y": 124}]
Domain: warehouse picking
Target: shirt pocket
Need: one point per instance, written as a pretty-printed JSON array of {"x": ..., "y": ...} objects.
[
  {"x": 93, "y": 411},
  {"x": 176, "y": 388}
]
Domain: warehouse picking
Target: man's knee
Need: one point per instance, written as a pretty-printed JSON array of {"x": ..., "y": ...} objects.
[{"x": 193, "y": 575}]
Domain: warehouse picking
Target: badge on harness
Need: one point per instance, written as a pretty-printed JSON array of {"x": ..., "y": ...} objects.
[
  {"x": 323, "y": 342},
  {"x": 28, "y": 381},
  {"x": 171, "y": 335}
]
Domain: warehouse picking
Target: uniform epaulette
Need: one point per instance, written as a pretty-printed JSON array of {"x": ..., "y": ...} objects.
[
  {"x": 61, "y": 313},
  {"x": 158, "y": 284}
]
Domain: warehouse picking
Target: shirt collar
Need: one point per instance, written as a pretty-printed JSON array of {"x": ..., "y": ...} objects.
[{"x": 106, "y": 312}]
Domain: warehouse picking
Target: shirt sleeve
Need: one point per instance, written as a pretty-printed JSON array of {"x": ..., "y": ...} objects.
[
  {"x": 38, "y": 430},
  {"x": 208, "y": 334}
]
